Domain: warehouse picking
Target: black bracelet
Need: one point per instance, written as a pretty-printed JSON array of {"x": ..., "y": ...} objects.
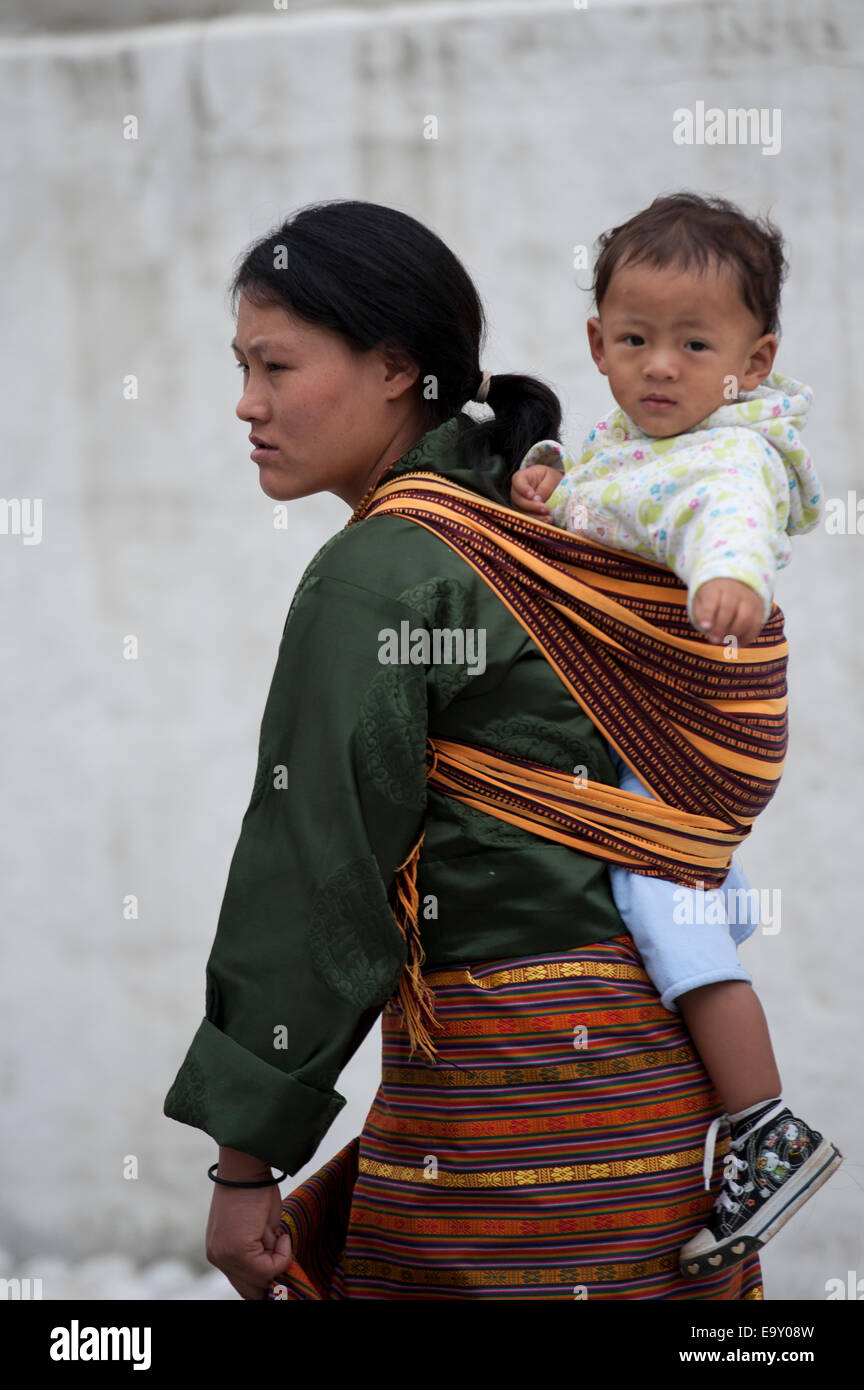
[{"x": 229, "y": 1182}]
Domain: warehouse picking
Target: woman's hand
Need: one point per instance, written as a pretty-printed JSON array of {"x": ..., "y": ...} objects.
[
  {"x": 529, "y": 488},
  {"x": 243, "y": 1235}
]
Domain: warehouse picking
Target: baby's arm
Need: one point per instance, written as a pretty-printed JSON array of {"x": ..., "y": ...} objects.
[
  {"x": 727, "y": 608},
  {"x": 714, "y": 512},
  {"x": 547, "y": 468},
  {"x": 530, "y": 487},
  {"x": 727, "y": 550}
]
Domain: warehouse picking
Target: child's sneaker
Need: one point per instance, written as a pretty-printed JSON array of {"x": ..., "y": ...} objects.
[{"x": 775, "y": 1163}]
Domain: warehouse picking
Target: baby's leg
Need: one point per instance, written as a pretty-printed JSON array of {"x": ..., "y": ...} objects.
[
  {"x": 776, "y": 1162},
  {"x": 687, "y": 947},
  {"x": 730, "y": 1033}
]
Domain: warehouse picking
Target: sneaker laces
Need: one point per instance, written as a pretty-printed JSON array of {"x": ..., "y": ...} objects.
[
  {"x": 737, "y": 1189},
  {"x": 711, "y": 1140}
]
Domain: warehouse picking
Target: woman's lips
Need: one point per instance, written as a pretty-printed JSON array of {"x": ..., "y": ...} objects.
[{"x": 262, "y": 451}]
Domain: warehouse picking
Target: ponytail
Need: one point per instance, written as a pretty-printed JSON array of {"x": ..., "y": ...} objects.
[{"x": 525, "y": 410}]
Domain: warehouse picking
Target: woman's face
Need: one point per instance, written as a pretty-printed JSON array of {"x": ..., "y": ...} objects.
[{"x": 329, "y": 418}]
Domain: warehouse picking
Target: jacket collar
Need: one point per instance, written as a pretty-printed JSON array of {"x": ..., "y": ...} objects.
[{"x": 437, "y": 451}]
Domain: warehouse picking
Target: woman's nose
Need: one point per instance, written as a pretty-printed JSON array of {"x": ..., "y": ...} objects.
[{"x": 249, "y": 407}]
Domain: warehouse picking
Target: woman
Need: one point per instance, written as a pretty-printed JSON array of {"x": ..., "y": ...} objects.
[{"x": 551, "y": 1147}]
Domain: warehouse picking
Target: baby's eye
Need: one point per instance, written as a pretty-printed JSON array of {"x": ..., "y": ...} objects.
[
  {"x": 635, "y": 338},
  {"x": 697, "y": 343},
  {"x": 241, "y": 366}
]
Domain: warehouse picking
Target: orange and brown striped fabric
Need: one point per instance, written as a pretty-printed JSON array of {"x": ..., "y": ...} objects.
[{"x": 707, "y": 734}]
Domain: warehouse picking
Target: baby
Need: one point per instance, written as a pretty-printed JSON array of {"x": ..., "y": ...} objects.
[{"x": 701, "y": 468}]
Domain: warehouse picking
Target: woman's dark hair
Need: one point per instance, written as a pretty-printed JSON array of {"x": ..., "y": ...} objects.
[
  {"x": 686, "y": 229},
  {"x": 382, "y": 279}
]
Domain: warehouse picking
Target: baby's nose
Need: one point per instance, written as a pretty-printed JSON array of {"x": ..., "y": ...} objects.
[{"x": 661, "y": 363}]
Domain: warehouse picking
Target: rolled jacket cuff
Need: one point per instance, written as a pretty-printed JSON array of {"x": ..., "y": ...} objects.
[{"x": 244, "y": 1103}]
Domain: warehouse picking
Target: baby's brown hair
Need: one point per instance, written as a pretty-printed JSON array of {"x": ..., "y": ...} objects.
[{"x": 688, "y": 230}]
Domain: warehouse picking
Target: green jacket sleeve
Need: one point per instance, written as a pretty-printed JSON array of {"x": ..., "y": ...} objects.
[{"x": 307, "y": 951}]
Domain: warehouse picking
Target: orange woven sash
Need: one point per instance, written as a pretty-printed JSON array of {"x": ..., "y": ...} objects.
[{"x": 706, "y": 733}]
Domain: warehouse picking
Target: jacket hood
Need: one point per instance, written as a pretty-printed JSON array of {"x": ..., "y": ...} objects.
[{"x": 778, "y": 411}]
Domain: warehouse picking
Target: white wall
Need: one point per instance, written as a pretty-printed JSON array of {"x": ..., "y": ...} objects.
[
  {"x": 132, "y": 777},
  {"x": 73, "y": 16}
]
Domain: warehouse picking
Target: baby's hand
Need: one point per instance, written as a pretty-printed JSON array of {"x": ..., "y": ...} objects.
[
  {"x": 727, "y": 608},
  {"x": 530, "y": 487}
]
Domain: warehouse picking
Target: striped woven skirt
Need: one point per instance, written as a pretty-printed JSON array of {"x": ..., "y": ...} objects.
[{"x": 552, "y": 1151}]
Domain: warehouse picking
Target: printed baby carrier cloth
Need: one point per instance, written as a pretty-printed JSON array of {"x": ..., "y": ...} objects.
[{"x": 704, "y": 726}]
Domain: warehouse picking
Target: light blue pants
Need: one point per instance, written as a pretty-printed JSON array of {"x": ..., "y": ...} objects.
[{"x": 679, "y": 948}]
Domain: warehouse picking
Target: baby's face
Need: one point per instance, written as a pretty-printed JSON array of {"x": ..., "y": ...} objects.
[{"x": 676, "y": 345}]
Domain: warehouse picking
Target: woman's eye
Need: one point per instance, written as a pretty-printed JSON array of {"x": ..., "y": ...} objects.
[{"x": 271, "y": 366}]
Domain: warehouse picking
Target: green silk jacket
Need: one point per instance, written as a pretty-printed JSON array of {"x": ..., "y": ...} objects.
[{"x": 307, "y": 952}]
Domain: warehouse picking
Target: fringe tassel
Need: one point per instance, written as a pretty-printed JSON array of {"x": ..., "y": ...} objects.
[{"x": 415, "y": 996}]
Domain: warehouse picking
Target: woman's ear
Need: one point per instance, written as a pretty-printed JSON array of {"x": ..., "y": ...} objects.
[{"x": 400, "y": 371}]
